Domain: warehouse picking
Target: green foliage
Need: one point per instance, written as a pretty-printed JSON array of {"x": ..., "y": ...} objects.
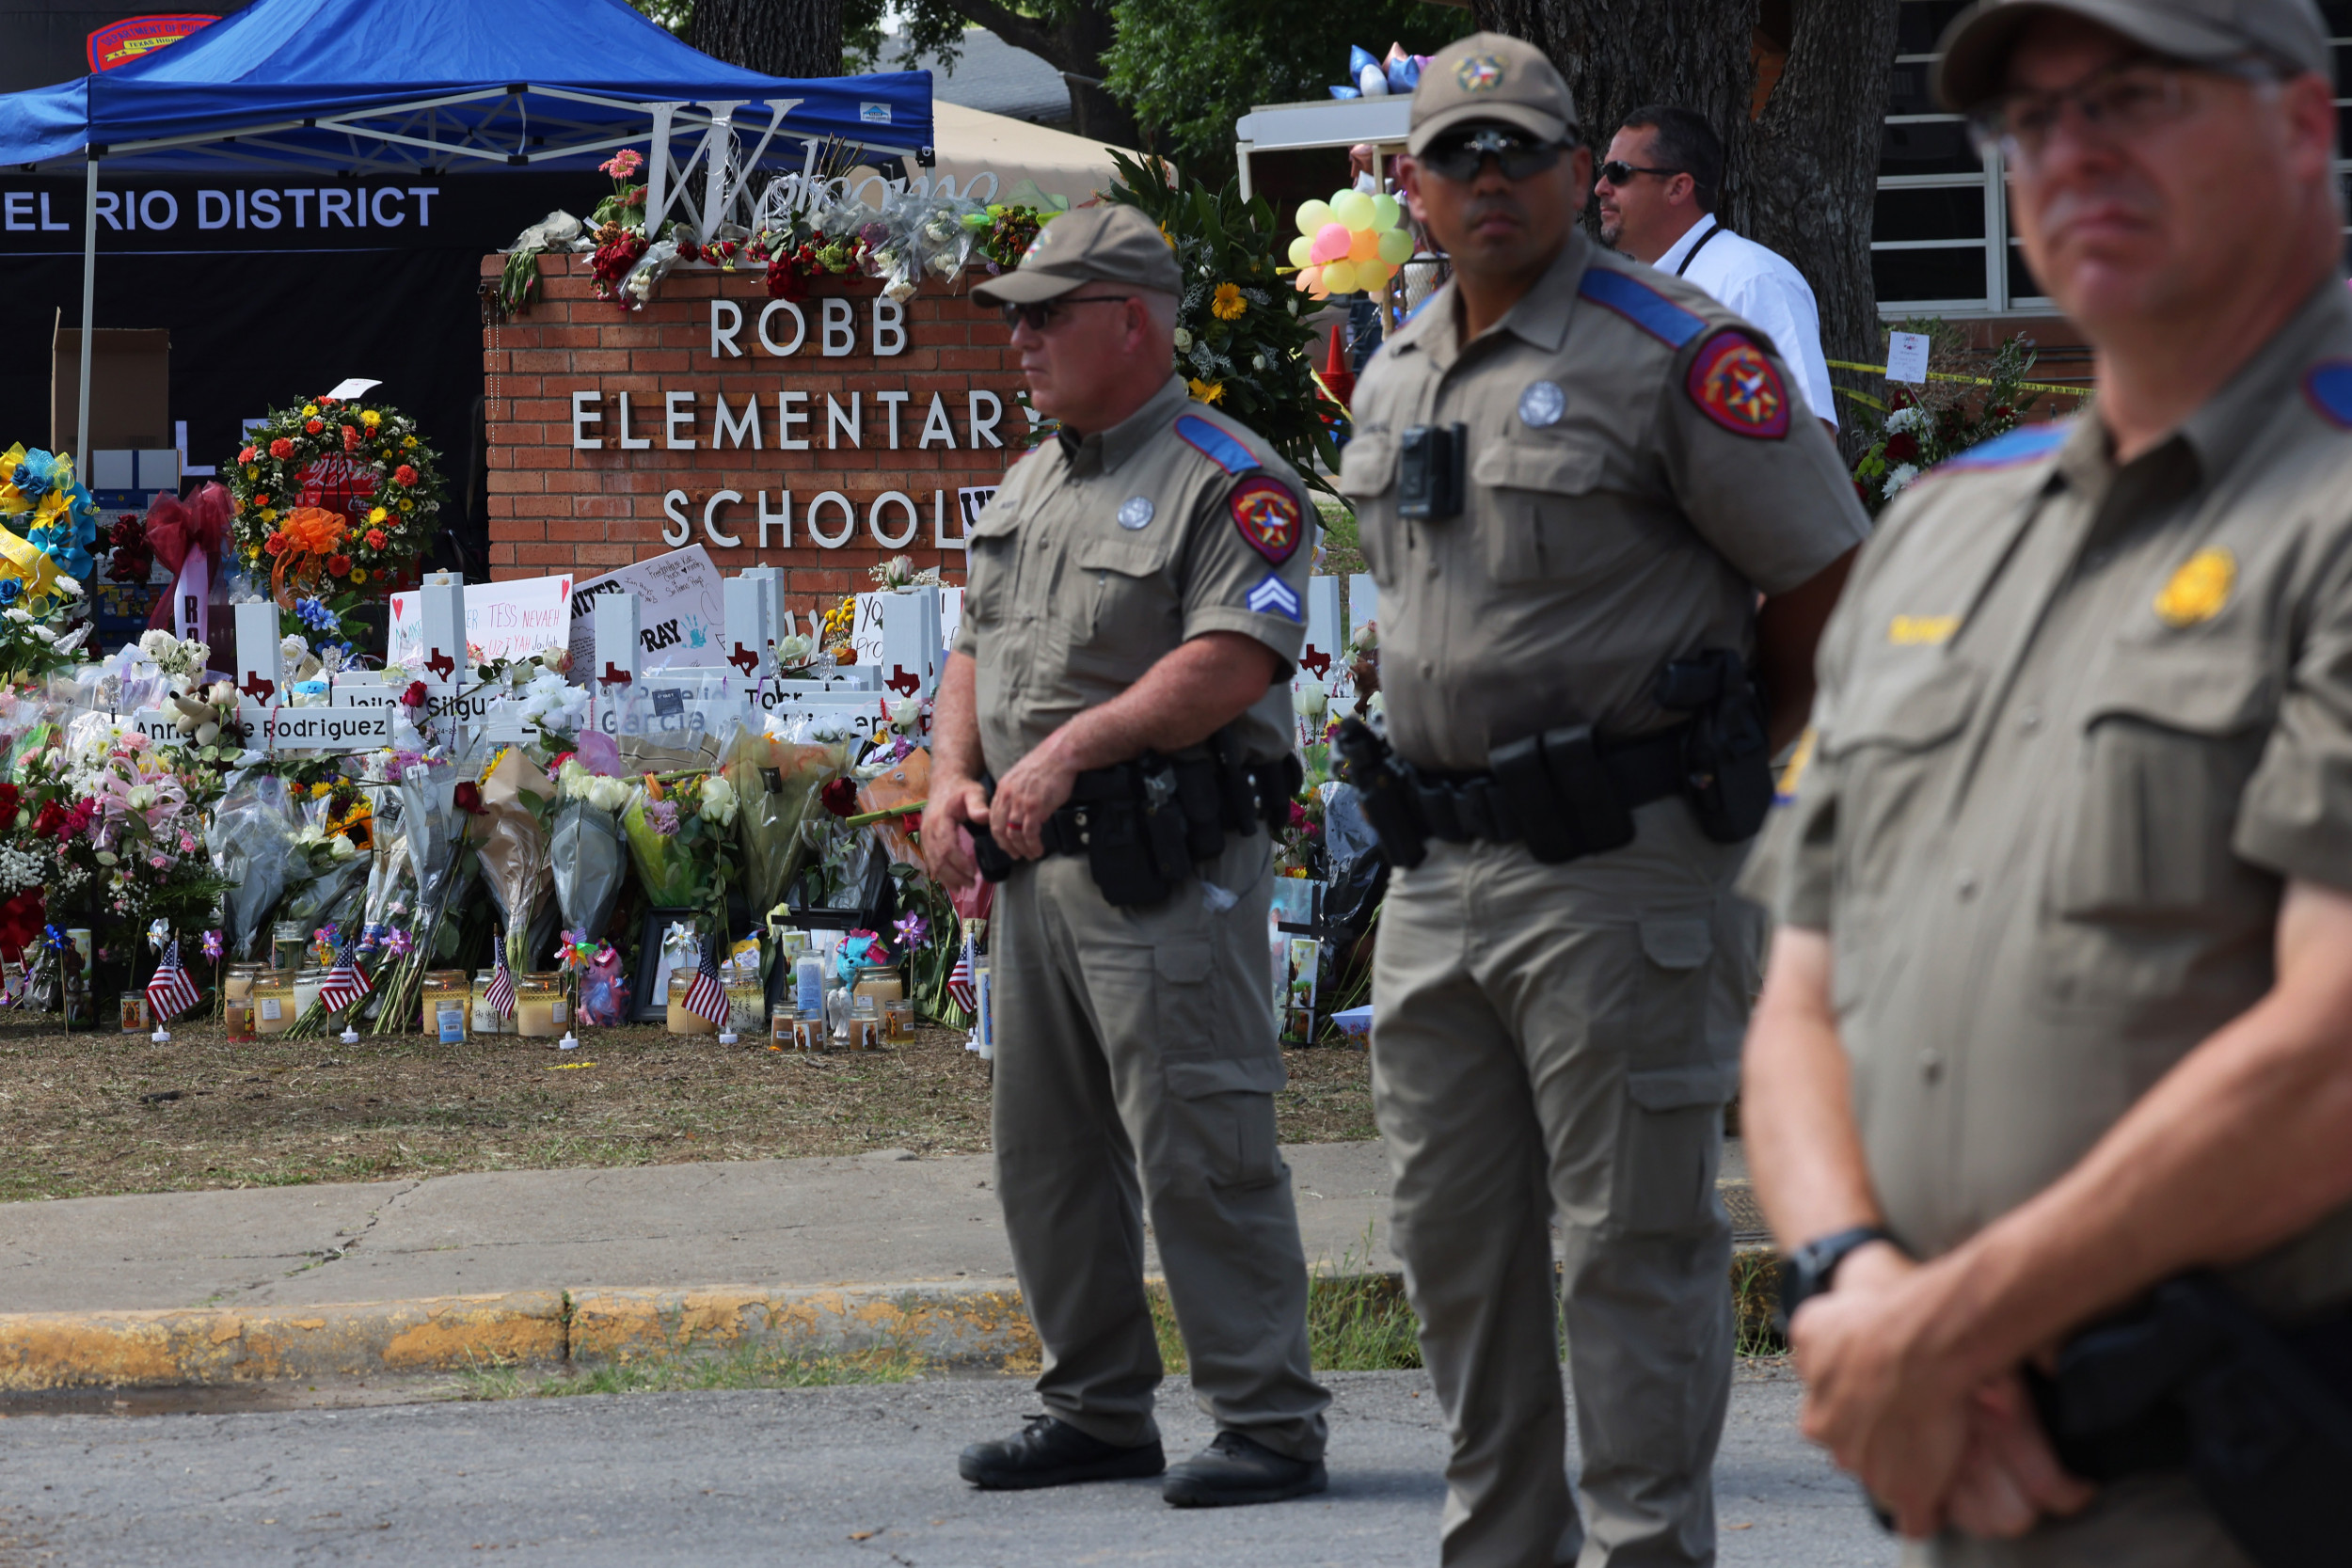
[
  {"x": 1239, "y": 339},
  {"x": 1972, "y": 397},
  {"x": 1189, "y": 68}
]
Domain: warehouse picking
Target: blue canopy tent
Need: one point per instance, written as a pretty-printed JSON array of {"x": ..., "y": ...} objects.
[{"x": 358, "y": 87}]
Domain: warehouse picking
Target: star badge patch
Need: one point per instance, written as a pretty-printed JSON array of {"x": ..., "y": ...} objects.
[
  {"x": 1735, "y": 384},
  {"x": 1268, "y": 517}
]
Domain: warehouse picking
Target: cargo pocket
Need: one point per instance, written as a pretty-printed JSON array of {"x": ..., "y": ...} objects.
[
  {"x": 1130, "y": 613},
  {"x": 1221, "y": 1115},
  {"x": 1669, "y": 1148},
  {"x": 1559, "y": 521},
  {"x": 1182, "y": 1009}
]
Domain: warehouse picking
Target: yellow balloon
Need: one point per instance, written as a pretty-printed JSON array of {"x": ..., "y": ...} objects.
[
  {"x": 1342, "y": 195},
  {"x": 1362, "y": 246},
  {"x": 1396, "y": 246},
  {"x": 1354, "y": 209},
  {"x": 1338, "y": 277},
  {"x": 1372, "y": 275},
  {"x": 1385, "y": 210},
  {"x": 1302, "y": 251},
  {"x": 1313, "y": 216}
]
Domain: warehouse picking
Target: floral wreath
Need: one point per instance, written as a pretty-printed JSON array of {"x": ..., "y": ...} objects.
[{"x": 307, "y": 550}]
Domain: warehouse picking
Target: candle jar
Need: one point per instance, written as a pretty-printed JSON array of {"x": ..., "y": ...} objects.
[
  {"x": 865, "y": 1027},
  {"x": 899, "y": 1021},
  {"x": 882, "y": 982},
  {"x": 780, "y": 1022},
  {"x": 448, "y": 1001},
  {"x": 287, "y": 945},
  {"x": 134, "y": 1009},
  {"x": 539, "y": 1010},
  {"x": 236, "y": 1016},
  {"x": 237, "y": 986},
  {"x": 81, "y": 1008},
  {"x": 811, "y": 1033},
  {"x": 681, "y": 1021},
  {"x": 487, "y": 1019},
  {"x": 273, "y": 1002},
  {"x": 305, "y": 989},
  {"x": 747, "y": 1007}
]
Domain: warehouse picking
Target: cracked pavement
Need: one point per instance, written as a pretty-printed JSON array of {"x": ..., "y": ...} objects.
[
  {"x": 819, "y": 1475},
  {"x": 879, "y": 1218}
]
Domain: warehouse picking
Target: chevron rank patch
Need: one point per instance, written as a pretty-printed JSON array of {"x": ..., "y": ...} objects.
[
  {"x": 1735, "y": 384},
  {"x": 1268, "y": 517},
  {"x": 1273, "y": 596}
]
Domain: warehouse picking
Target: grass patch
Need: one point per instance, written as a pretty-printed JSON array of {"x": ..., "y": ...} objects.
[
  {"x": 1754, "y": 1294},
  {"x": 746, "y": 1367}
]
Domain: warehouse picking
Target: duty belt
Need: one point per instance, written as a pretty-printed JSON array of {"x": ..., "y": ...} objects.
[{"x": 1461, "y": 806}]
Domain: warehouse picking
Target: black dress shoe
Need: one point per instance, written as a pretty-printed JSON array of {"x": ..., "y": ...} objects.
[
  {"x": 1048, "y": 1453},
  {"x": 1235, "y": 1469}
]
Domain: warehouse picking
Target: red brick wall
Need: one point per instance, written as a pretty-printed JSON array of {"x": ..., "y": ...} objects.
[{"x": 554, "y": 507}]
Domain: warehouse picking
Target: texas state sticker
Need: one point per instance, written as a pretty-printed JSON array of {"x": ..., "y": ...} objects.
[
  {"x": 1268, "y": 517},
  {"x": 1733, "y": 384}
]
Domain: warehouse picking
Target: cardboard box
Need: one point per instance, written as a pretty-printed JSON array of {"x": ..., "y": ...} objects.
[{"x": 130, "y": 391}]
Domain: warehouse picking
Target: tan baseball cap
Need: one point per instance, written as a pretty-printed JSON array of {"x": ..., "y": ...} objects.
[
  {"x": 1974, "y": 55},
  {"x": 1487, "y": 76},
  {"x": 1109, "y": 244}
]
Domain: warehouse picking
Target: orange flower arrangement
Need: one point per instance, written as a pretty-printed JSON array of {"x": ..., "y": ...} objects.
[{"x": 305, "y": 544}]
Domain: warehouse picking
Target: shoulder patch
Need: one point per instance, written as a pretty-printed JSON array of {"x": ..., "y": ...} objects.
[
  {"x": 2024, "y": 444},
  {"x": 1214, "y": 445},
  {"x": 1641, "y": 304},
  {"x": 2327, "y": 387},
  {"x": 1268, "y": 517},
  {"x": 1733, "y": 384}
]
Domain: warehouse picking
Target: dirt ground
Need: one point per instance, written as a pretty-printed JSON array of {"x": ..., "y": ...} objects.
[{"x": 84, "y": 1115}]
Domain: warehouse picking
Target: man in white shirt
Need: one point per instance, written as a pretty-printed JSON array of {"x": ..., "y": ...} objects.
[{"x": 1658, "y": 189}]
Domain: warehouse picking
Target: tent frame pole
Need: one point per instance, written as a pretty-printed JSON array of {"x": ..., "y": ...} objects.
[{"x": 90, "y": 308}]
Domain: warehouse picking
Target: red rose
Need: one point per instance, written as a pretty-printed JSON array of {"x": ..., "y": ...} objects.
[
  {"x": 404, "y": 475},
  {"x": 328, "y": 402},
  {"x": 21, "y": 920},
  {"x": 689, "y": 251},
  {"x": 1903, "y": 446},
  {"x": 282, "y": 449},
  {"x": 376, "y": 538},
  {"x": 840, "y": 796},
  {"x": 337, "y": 565},
  {"x": 10, "y": 801},
  {"x": 351, "y": 438},
  {"x": 468, "y": 799},
  {"x": 261, "y": 500},
  {"x": 246, "y": 456},
  {"x": 274, "y": 544},
  {"x": 414, "y": 696},
  {"x": 50, "y": 819},
  {"x": 314, "y": 426}
]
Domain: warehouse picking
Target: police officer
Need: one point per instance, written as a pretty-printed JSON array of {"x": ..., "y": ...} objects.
[
  {"x": 1121, "y": 671},
  {"x": 2058, "y": 1010},
  {"x": 1573, "y": 478}
]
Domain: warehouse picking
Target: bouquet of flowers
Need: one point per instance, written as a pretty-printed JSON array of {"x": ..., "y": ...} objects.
[
  {"x": 510, "y": 837},
  {"x": 679, "y": 828},
  {"x": 585, "y": 846},
  {"x": 331, "y": 496}
]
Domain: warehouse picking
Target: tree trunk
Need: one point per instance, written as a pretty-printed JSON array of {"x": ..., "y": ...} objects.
[
  {"x": 1072, "y": 40},
  {"x": 776, "y": 37},
  {"x": 1804, "y": 177}
]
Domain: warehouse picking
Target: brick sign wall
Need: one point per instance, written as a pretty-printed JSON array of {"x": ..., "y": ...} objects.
[{"x": 820, "y": 439}]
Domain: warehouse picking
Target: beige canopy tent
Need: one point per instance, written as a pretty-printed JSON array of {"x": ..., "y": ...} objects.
[{"x": 971, "y": 142}]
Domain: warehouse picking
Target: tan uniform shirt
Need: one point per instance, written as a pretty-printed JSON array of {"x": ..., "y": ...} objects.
[
  {"x": 1639, "y": 467},
  {"x": 1100, "y": 555},
  {"x": 2077, "y": 722}
]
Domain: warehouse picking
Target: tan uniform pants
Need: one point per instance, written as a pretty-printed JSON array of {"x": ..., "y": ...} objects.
[
  {"x": 2145, "y": 1522},
  {"x": 1562, "y": 1039},
  {"x": 1135, "y": 1071}
]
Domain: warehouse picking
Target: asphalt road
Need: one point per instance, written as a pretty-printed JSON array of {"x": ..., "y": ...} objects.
[{"x": 822, "y": 1476}]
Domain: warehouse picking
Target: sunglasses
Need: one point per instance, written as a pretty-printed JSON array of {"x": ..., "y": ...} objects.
[
  {"x": 1618, "y": 172},
  {"x": 1460, "y": 158},
  {"x": 1040, "y": 316}
]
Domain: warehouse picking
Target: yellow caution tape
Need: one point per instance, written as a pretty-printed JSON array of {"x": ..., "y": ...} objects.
[{"x": 1971, "y": 380}]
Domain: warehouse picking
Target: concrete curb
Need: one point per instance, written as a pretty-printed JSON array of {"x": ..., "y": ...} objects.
[{"x": 212, "y": 1346}]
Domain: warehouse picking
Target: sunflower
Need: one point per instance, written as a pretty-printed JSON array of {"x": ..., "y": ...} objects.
[{"x": 1227, "y": 305}]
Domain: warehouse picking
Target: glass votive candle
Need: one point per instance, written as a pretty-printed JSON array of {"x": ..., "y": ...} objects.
[
  {"x": 273, "y": 1002},
  {"x": 487, "y": 1019},
  {"x": 287, "y": 945},
  {"x": 899, "y": 1021},
  {"x": 236, "y": 1017},
  {"x": 747, "y": 1007},
  {"x": 305, "y": 989},
  {"x": 865, "y": 1032},
  {"x": 448, "y": 1002},
  {"x": 539, "y": 1010},
  {"x": 681, "y": 1021},
  {"x": 810, "y": 1034},
  {"x": 780, "y": 1023},
  {"x": 237, "y": 985},
  {"x": 134, "y": 1019}
]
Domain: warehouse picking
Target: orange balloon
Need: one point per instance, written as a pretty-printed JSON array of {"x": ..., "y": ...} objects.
[{"x": 1363, "y": 244}]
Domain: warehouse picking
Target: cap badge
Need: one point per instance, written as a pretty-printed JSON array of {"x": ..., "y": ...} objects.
[
  {"x": 1542, "y": 404},
  {"x": 2199, "y": 590},
  {"x": 1479, "y": 73},
  {"x": 1134, "y": 511}
]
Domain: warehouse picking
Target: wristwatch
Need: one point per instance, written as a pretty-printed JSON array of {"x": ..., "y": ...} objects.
[{"x": 1807, "y": 1271}]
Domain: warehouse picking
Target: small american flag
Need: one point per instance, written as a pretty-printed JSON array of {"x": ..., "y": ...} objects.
[
  {"x": 501, "y": 996},
  {"x": 170, "y": 993},
  {"x": 707, "y": 999},
  {"x": 346, "y": 982},
  {"x": 960, "y": 985}
]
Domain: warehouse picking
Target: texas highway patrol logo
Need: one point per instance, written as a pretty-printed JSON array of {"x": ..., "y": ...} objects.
[
  {"x": 1479, "y": 73},
  {"x": 1267, "y": 515},
  {"x": 1736, "y": 385}
]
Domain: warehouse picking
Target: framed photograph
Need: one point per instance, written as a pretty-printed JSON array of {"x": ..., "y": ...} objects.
[
  {"x": 650, "y": 993},
  {"x": 1298, "y": 904}
]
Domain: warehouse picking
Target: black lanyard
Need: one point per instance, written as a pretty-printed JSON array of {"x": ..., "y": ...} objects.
[{"x": 1696, "y": 248}]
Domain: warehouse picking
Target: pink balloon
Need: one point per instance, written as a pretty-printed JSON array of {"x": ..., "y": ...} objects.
[{"x": 1332, "y": 242}]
